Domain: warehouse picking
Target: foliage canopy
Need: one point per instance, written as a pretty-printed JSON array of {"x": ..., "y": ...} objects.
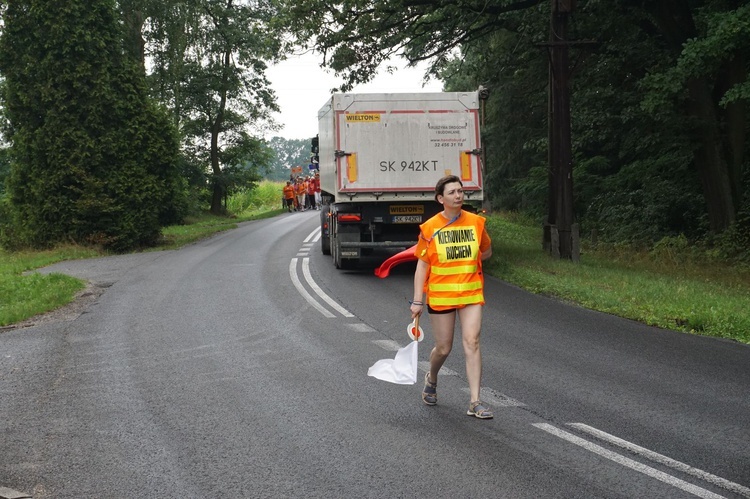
[{"x": 659, "y": 106}]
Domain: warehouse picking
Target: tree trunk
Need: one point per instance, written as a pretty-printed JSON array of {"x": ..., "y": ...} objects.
[
  {"x": 675, "y": 20},
  {"x": 710, "y": 159},
  {"x": 218, "y": 185},
  {"x": 218, "y": 192},
  {"x": 135, "y": 45},
  {"x": 736, "y": 125}
]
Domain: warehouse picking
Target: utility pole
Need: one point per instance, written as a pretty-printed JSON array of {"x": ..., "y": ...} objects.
[{"x": 561, "y": 237}]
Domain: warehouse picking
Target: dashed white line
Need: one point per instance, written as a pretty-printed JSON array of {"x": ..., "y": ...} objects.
[
  {"x": 313, "y": 236},
  {"x": 390, "y": 345},
  {"x": 495, "y": 398},
  {"x": 661, "y": 459},
  {"x": 362, "y": 328},
  {"x": 627, "y": 462},
  {"x": 5, "y": 492},
  {"x": 424, "y": 365}
]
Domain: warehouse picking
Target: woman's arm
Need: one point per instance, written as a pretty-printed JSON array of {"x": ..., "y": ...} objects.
[{"x": 419, "y": 278}]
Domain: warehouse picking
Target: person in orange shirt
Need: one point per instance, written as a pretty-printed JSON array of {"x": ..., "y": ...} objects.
[
  {"x": 288, "y": 191},
  {"x": 300, "y": 190},
  {"x": 318, "y": 198},
  {"x": 310, "y": 201},
  {"x": 450, "y": 251}
]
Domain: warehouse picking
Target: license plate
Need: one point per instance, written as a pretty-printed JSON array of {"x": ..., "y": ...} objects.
[{"x": 407, "y": 219}]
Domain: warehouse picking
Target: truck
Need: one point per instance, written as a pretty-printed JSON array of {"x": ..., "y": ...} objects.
[{"x": 379, "y": 157}]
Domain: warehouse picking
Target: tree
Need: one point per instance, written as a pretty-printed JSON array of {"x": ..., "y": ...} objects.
[
  {"x": 671, "y": 90},
  {"x": 636, "y": 176},
  {"x": 209, "y": 66},
  {"x": 709, "y": 79},
  {"x": 287, "y": 154},
  {"x": 93, "y": 159},
  {"x": 357, "y": 36}
]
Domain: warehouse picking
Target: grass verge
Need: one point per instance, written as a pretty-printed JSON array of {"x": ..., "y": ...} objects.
[
  {"x": 25, "y": 295},
  {"x": 656, "y": 289}
]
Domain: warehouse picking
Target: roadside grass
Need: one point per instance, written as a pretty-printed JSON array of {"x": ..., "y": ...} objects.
[
  {"x": 25, "y": 295},
  {"x": 656, "y": 288},
  {"x": 664, "y": 288},
  {"x": 266, "y": 195}
]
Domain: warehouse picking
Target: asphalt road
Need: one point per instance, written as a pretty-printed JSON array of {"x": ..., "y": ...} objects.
[{"x": 236, "y": 367}]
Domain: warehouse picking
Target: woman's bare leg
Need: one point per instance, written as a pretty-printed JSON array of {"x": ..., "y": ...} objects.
[
  {"x": 471, "y": 325},
  {"x": 442, "y": 331}
]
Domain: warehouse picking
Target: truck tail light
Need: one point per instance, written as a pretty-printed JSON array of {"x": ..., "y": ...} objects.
[{"x": 349, "y": 217}]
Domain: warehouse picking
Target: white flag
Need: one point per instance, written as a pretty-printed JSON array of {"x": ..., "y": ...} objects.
[{"x": 401, "y": 370}]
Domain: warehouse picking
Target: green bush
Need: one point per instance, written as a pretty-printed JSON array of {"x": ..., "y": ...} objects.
[{"x": 94, "y": 160}]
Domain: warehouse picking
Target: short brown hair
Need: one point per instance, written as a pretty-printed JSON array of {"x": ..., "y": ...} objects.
[{"x": 440, "y": 187}]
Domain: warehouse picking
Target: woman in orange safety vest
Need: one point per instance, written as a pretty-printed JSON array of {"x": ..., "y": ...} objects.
[{"x": 450, "y": 250}]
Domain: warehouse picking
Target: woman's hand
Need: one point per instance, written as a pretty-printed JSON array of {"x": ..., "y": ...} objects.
[{"x": 416, "y": 310}]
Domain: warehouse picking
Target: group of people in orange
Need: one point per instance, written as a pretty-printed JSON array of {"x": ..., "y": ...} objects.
[{"x": 302, "y": 193}]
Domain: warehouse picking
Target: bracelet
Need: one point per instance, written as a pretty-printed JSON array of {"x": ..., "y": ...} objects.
[{"x": 418, "y": 303}]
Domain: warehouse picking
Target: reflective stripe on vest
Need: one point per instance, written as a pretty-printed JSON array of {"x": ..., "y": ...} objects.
[
  {"x": 456, "y": 288},
  {"x": 459, "y": 269},
  {"x": 456, "y": 300}
]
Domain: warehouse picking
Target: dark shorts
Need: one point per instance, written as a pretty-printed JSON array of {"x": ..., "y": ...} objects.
[{"x": 433, "y": 311}]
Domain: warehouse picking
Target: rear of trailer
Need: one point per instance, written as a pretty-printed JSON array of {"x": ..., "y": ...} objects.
[{"x": 380, "y": 156}]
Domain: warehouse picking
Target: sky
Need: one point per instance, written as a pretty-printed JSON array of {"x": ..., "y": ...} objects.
[{"x": 302, "y": 88}]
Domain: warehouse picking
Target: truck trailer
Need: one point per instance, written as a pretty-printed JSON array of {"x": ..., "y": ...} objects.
[{"x": 380, "y": 156}]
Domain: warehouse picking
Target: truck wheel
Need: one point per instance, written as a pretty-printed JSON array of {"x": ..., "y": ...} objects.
[
  {"x": 335, "y": 243},
  {"x": 325, "y": 238},
  {"x": 336, "y": 251}
]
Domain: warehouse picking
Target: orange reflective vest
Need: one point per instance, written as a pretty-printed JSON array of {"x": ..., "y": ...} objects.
[{"x": 453, "y": 252}]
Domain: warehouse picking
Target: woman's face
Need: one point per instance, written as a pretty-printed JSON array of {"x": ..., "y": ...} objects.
[{"x": 453, "y": 195}]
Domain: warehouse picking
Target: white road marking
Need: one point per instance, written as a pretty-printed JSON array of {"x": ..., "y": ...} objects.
[
  {"x": 312, "y": 236},
  {"x": 304, "y": 253},
  {"x": 424, "y": 365},
  {"x": 661, "y": 459},
  {"x": 495, "y": 398},
  {"x": 627, "y": 462},
  {"x": 361, "y": 328},
  {"x": 320, "y": 292},
  {"x": 297, "y": 284},
  {"x": 390, "y": 345},
  {"x": 5, "y": 492}
]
